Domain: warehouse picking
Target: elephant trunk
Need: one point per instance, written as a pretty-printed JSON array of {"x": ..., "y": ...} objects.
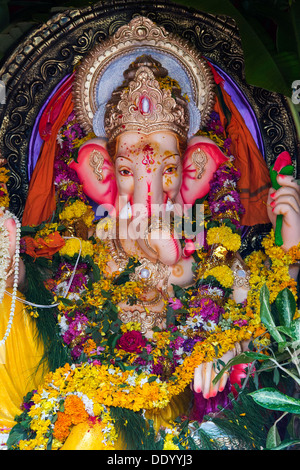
[{"x": 155, "y": 234}]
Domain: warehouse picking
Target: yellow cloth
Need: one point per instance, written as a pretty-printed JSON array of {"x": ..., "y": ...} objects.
[
  {"x": 19, "y": 358},
  {"x": 85, "y": 436}
]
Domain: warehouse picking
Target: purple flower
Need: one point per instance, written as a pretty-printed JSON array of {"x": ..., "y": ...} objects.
[
  {"x": 208, "y": 309},
  {"x": 76, "y": 327},
  {"x": 175, "y": 304},
  {"x": 28, "y": 405},
  {"x": 189, "y": 344},
  {"x": 240, "y": 322}
]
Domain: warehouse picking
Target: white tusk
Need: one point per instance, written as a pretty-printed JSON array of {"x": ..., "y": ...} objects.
[
  {"x": 169, "y": 205},
  {"x": 126, "y": 212}
]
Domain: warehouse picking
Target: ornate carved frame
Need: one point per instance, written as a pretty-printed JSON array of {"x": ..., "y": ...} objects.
[{"x": 33, "y": 69}]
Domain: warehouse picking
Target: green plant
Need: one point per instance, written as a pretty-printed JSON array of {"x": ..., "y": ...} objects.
[{"x": 281, "y": 359}]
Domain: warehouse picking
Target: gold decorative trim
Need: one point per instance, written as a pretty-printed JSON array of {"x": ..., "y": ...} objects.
[
  {"x": 141, "y": 32},
  {"x": 199, "y": 159},
  {"x": 241, "y": 274},
  {"x": 147, "y": 108},
  {"x": 96, "y": 162},
  {"x": 148, "y": 320}
]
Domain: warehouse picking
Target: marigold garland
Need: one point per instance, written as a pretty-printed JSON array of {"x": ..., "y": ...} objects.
[
  {"x": 148, "y": 375},
  {"x": 223, "y": 275},
  {"x": 270, "y": 267},
  {"x": 78, "y": 210},
  {"x": 224, "y": 236},
  {"x": 73, "y": 246}
]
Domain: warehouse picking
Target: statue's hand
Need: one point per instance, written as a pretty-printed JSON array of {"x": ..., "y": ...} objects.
[
  {"x": 286, "y": 201},
  {"x": 10, "y": 225},
  {"x": 205, "y": 374},
  {"x": 11, "y": 228}
]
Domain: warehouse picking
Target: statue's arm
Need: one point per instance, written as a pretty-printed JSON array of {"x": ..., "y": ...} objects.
[{"x": 12, "y": 270}]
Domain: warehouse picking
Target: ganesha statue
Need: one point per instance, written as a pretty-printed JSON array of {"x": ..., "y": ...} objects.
[
  {"x": 168, "y": 215},
  {"x": 145, "y": 173}
]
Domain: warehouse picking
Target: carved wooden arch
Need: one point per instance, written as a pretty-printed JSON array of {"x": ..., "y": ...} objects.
[{"x": 49, "y": 52}]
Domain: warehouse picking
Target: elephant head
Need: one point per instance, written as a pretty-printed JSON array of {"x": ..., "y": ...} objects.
[
  {"x": 148, "y": 162},
  {"x": 150, "y": 174}
]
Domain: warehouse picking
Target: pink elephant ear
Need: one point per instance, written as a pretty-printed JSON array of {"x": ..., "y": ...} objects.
[
  {"x": 201, "y": 159},
  {"x": 96, "y": 173}
]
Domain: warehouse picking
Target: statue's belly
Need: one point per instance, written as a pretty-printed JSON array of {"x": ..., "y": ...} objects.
[{"x": 181, "y": 274}]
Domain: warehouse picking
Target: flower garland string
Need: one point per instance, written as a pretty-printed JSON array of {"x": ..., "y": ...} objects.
[{"x": 116, "y": 365}]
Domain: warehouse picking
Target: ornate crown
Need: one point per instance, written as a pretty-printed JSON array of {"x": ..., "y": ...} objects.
[
  {"x": 93, "y": 83},
  {"x": 146, "y": 107}
]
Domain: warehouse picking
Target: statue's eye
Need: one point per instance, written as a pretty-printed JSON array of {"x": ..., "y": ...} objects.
[
  {"x": 170, "y": 170},
  {"x": 125, "y": 172}
]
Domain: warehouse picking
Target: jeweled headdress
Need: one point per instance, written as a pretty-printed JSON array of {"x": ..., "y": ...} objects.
[
  {"x": 146, "y": 106},
  {"x": 100, "y": 74}
]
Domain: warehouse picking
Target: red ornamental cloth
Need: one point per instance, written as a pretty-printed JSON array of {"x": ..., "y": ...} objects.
[
  {"x": 40, "y": 202},
  {"x": 44, "y": 247}
]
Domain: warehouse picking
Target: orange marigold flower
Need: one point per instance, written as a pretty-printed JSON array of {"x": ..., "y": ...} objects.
[
  {"x": 89, "y": 347},
  {"x": 74, "y": 408},
  {"x": 62, "y": 426}
]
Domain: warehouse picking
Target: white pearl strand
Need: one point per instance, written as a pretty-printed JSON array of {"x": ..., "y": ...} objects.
[
  {"x": 66, "y": 290},
  {"x": 6, "y": 216}
]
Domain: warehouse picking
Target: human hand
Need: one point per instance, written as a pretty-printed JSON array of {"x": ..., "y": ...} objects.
[
  {"x": 285, "y": 201},
  {"x": 205, "y": 374}
]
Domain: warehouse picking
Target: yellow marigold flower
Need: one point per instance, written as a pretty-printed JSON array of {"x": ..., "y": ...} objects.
[
  {"x": 77, "y": 210},
  {"x": 72, "y": 247},
  {"x": 169, "y": 444},
  {"x": 44, "y": 232},
  {"x": 223, "y": 274},
  {"x": 75, "y": 409},
  {"x": 4, "y": 201},
  {"x": 79, "y": 142},
  {"x": 130, "y": 326},
  {"x": 224, "y": 236}
]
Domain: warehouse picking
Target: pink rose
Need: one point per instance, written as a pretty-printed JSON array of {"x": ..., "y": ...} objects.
[
  {"x": 131, "y": 341},
  {"x": 282, "y": 160}
]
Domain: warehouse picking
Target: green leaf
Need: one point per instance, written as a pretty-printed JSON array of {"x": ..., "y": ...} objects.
[
  {"x": 287, "y": 170},
  {"x": 276, "y": 376},
  {"x": 266, "y": 315},
  {"x": 295, "y": 328},
  {"x": 286, "y": 444},
  {"x": 17, "y": 434},
  {"x": 273, "y": 438},
  {"x": 112, "y": 341},
  {"x": 286, "y": 305},
  {"x": 287, "y": 331},
  {"x": 152, "y": 379},
  {"x": 272, "y": 399}
]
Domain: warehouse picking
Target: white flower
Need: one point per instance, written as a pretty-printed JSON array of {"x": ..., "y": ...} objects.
[
  {"x": 73, "y": 296},
  {"x": 131, "y": 379},
  {"x": 194, "y": 322},
  {"x": 209, "y": 326},
  {"x": 179, "y": 351},
  {"x": 59, "y": 139},
  {"x": 143, "y": 381},
  {"x": 61, "y": 288},
  {"x": 88, "y": 403},
  {"x": 63, "y": 325},
  {"x": 228, "y": 198}
]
